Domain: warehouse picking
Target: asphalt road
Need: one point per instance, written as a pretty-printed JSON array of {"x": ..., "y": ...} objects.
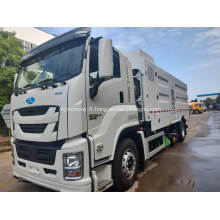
[{"x": 190, "y": 166}]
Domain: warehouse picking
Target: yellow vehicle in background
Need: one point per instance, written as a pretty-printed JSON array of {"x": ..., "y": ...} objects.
[{"x": 196, "y": 107}]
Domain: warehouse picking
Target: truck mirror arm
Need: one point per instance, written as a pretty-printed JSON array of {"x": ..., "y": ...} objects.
[{"x": 93, "y": 91}]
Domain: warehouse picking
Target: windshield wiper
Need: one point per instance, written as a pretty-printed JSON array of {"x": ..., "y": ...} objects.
[
  {"x": 29, "y": 85},
  {"x": 50, "y": 82},
  {"x": 47, "y": 82},
  {"x": 18, "y": 91}
]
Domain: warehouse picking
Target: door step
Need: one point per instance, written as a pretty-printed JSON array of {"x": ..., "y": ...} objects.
[{"x": 104, "y": 184}]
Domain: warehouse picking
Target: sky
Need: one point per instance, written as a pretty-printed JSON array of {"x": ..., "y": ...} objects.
[{"x": 190, "y": 54}]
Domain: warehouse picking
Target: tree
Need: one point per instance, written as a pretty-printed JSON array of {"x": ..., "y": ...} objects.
[
  {"x": 194, "y": 100},
  {"x": 218, "y": 99},
  {"x": 209, "y": 102},
  {"x": 10, "y": 49}
]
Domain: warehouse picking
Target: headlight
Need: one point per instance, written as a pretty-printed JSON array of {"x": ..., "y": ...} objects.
[{"x": 73, "y": 166}]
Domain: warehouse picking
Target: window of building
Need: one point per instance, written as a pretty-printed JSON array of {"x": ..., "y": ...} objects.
[{"x": 27, "y": 46}]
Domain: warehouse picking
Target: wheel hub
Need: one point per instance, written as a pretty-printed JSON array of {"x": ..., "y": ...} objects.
[
  {"x": 128, "y": 164},
  {"x": 183, "y": 131}
]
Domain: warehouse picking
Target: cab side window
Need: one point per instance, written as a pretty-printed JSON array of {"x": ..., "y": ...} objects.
[
  {"x": 93, "y": 63},
  {"x": 116, "y": 62}
]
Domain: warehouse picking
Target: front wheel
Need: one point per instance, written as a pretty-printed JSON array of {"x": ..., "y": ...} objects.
[
  {"x": 125, "y": 164},
  {"x": 181, "y": 130}
]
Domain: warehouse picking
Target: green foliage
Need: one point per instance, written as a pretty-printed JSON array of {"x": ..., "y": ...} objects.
[
  {"x": 10, "y": 48},
  {"x": 218, "y": 99},
  {"x": 194, "y": 100},
  {"x": 209, "y": 101}
]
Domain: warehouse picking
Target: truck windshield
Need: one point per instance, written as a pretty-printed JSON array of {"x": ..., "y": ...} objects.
[{"x": 58, "y": 65}]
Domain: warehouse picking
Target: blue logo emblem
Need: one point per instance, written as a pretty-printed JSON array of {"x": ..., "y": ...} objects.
[{"x": 30, "y": 100}]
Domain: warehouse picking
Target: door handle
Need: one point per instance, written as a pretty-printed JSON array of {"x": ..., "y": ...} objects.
[{"x": 121, "y": 97}]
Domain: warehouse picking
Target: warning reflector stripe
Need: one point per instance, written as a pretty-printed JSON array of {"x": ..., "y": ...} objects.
[{"x": 169, "y": 110}]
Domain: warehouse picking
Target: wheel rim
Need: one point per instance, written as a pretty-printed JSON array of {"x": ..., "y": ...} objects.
[
  {"x": 128, "y": 164},
  {"x": 183, "y": 131}
]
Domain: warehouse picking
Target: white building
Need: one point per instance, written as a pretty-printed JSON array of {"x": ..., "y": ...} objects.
[{"x": 30, "y": 37}]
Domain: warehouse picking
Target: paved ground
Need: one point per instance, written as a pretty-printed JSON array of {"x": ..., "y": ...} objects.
[
  {"x": 4, "y": 144},
  {"x": 190, "y": 166}
]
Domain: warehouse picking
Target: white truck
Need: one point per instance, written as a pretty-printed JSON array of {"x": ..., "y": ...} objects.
[{"x": 85, "y": 117}]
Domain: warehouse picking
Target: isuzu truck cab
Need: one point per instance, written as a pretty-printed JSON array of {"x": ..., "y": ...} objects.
[{"x": 85, "y": 117}]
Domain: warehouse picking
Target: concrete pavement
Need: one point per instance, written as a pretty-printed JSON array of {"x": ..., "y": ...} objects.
[
  {"x": 190, "y": 166},
  {"x": 4, "y": 144}
]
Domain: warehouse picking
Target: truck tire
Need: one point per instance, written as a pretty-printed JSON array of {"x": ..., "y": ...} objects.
[
  {"x": 181, "y": 130},
  {"x": 125, "y": 164}
]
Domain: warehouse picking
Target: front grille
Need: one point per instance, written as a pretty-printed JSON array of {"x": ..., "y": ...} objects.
[
  {"x": 39, "y": 152},
  {"x": 21, "y": 164},
  {"x": 33, "y": 128},
  {"x": 33, "y": 111},
  {"x": 49, "y": 171}
]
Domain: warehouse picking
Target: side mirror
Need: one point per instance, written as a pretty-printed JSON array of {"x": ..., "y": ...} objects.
[
  {"x": 94, "y": 90},
  {"x": 105, "y": 58}
]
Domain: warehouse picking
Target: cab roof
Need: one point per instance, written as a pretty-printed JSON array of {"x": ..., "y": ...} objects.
[{"x": 82, "y": 32}]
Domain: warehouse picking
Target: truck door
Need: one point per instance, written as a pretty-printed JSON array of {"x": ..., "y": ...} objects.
[{"x": 110, "y": 93}]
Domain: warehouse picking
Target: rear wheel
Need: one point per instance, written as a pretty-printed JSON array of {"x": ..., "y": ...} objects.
[
  {"x": 125, "y": 165},
  {"x": 181, "y": 130}
]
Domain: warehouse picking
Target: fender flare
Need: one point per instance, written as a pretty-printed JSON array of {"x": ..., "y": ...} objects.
[{"x": 133, "y": 133}]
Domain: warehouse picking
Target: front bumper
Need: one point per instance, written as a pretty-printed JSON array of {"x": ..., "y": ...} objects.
[
  {"x": 35, "y": 172},
  {"x": 51, "y": 184}
]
